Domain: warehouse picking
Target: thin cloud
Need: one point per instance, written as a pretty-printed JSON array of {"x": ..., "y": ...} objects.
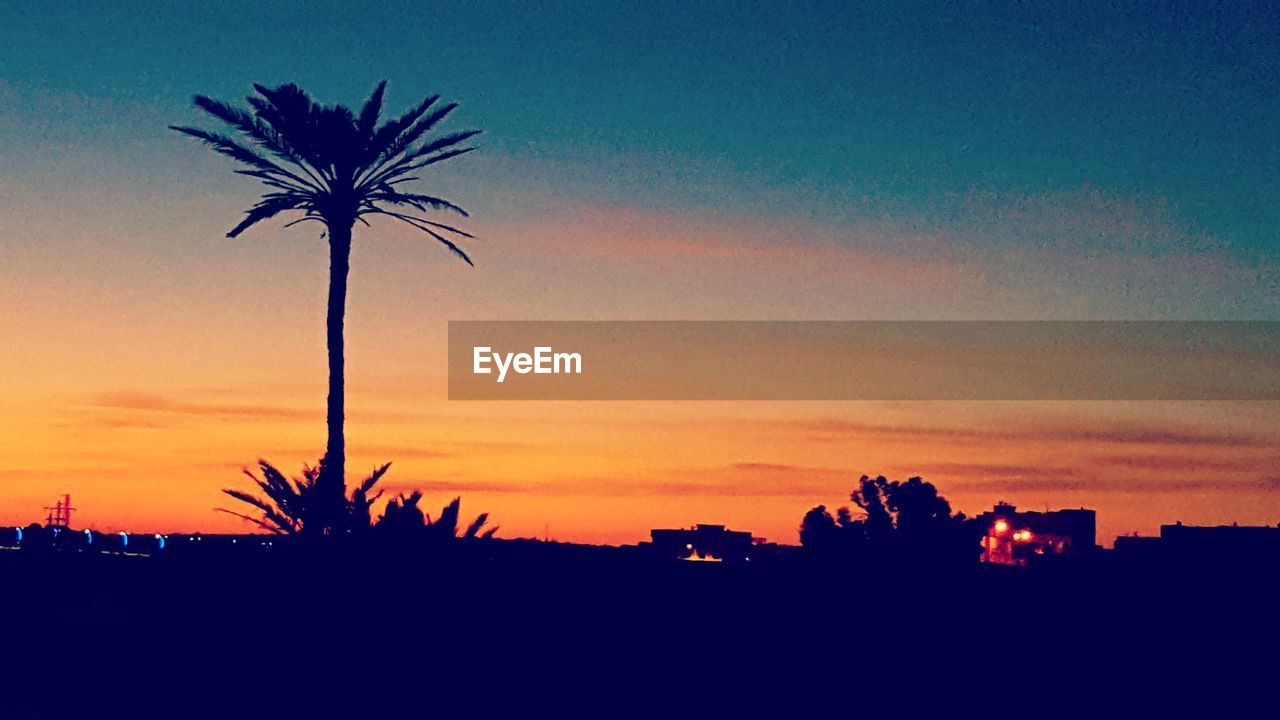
[
  {"x": 401, "y": 452},
  {"x": 1111, "y": 486},
  {"x": 725, "y": 481},
  {"x": 140, "y": 409},
  {"x": 462, "y": 487},
  {"x": 839, "y": 430},
  {"x": 956, "y": 469},
  {"x": 634, "y": 235},
  {"x": 765, "y": 467},
  {"x": 153, "y": 403},
  {"x": 1183, "y": 463}
]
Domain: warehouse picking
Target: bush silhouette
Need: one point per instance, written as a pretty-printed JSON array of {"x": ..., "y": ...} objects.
[{"x": 287, "y": 505}]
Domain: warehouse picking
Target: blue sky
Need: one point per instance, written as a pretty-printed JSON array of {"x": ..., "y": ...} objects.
[{"x": 811, "y": 107}]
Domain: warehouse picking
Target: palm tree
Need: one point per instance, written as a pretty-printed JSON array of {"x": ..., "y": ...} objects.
[
  {"x": 287, "y": 506},
  {"x": 292, "y": 506},
  {"x": 404, "y": 519},
  {"x": 337, "y": 168}
]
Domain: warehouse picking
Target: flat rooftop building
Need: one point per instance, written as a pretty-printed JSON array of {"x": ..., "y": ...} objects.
[
  {"x": 1016, "y": 537},
  {"x": 704, "y": 542}
]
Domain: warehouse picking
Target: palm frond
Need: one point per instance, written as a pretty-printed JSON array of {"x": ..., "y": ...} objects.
[
  {"x": 269, "y": 207},
  {"x": 293, "y": 114},
  {"x": 419, "y": 224},
  {"x": 440, "y": 143},
  {"x": 369, "y": 113},
  {"x": 384, "y": 174},
  {"x": 273, "y": 181},
  {"x": 384, "y": 136},
  {"x": 261, "y": 133},
  {"x": 229, "y": 147},
  {"x": 274, "y": 518},
  {"x": 260, "y": 523},
  {"x": 374, "y": 477},
  {"x": 403, "y": 141},
  {"x": 361, "y": 502},
  {"x": 416, "y": 201},
  {"x": 286, "y": 505},
  {"x": 245, "y": 497},
  {"x": 447, "y": 523},
  {"x": 474, "y": 528},
  {"x": 332, "y": 164}
]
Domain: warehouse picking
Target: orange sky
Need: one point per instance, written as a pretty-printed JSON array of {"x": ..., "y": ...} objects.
[{"x": 148, "y": 362}]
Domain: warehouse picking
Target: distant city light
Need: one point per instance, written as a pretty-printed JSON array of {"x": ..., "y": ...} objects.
[{"x": 1001, "y": 527}]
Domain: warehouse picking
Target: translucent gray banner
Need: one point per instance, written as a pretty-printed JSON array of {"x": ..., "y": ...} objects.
[{"x": 822, "y": 360}]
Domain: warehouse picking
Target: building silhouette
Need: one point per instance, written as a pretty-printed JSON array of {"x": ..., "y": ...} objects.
[
  {"x": 1206, "y": 544},
  {"x": 704, "y": 542},
  {"x": 1014, "y": 537}
]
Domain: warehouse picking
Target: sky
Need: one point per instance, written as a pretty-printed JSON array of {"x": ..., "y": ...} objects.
[{"x": 638, "y": 161}]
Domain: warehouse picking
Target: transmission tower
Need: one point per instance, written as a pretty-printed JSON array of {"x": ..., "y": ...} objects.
[{"x": 60, "y": 513}]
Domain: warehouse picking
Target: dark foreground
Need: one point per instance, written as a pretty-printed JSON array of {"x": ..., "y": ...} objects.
[{"x": 516, "y": 631}]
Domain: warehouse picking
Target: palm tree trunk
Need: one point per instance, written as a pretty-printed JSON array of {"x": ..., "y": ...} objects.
[{"x": 332, "y": 479}]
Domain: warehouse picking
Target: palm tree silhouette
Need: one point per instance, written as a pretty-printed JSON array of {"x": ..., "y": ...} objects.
[
  {"x": 403, "y": 519},
  {"x": 291, "y": 506},
  {"x": 336, "y": 168}
]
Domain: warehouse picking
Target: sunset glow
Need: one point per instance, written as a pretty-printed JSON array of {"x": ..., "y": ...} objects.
[{"x": 148, "y": 359}]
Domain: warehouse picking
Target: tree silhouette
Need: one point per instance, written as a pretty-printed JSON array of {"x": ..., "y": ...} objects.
[
  {"x": 901, "y": 520},
  {"x": 878, "y": 523},
  {"x": 288, "y": 506},
  {"x": 335, "y": 167},
  {"x": 818, "y": 529},
  {"x": 405, "y": 520}
]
